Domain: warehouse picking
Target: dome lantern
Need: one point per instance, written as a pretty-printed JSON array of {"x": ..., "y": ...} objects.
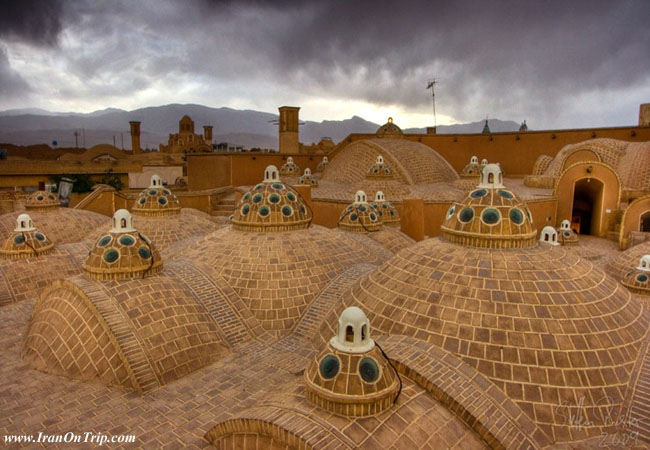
[
  {"x": 491, "y": 177},
  {"x": 353, "y": 335},
  {"x": 24, "y": 223},
  {"x": 644, "y": 263},
  {"x": 122, "y": 222},
  {"x": 548, "y": 236},
  {"x": 271, "y": 175}
]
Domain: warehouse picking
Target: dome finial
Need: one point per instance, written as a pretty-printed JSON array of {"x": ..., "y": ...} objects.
[
  {"x": 360, "y": 197},
  {"x": 548, "y": 235},
  {"x": 122, "y": 222},
  {"x": 24, "y": 223},
  {"x": 353, "y": 335},
  {"x": 644, "y": 263},
  {"x": 155, "y": 181},
  {"x": 271, "y": 174},
  {"x": 491, "y": 177}
]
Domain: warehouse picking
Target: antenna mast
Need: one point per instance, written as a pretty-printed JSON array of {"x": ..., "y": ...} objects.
[{"x": 432, "y": 82}]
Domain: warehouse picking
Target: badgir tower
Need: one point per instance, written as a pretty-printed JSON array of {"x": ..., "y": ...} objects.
[{"x": 391, "y": 290}]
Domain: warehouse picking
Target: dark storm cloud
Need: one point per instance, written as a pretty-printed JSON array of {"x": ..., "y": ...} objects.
[
  {"x": 514, "y": 60},
  {"x": 12, "y": 86},
  {"x": 34, "y": 21}
]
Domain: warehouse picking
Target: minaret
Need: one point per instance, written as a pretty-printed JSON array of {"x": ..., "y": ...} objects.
[
  {"x": 486, "y": 127},
  {"x": 288, "y": 130},
  {"x": 207, "y": 134},
  {"x": 135, "y": 137}
]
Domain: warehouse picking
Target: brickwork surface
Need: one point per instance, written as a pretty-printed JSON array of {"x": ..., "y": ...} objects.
[{"x": 61, "y": 225}]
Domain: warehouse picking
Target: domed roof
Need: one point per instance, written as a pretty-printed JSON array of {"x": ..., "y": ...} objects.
[
  {"x": 156, "y": 200},
  {"x": 565, "y": 235},
  {"x": 277, "y": 275},
  {"x": 308, "y": 178},
  {"x": 541, "y": 323},
  {"x": 351, "y": 377},
  {"x": 290, "y": 168},
  {"x": 360, "y": 216},
  {"x": 411, "y": 162},
  {"x": 122, "y": 252},
  {"x": 379, "y": 169},
  {"x": 42, "y": 199},
  {"x": 472, "y": 169},
  {"x": 321, "y": 165},
  {"x": 628, "y": 260},
  {"x": 386, "y": 210},
  {"x": 25, "y": 241},
  {"x": 490, "y": 216},
  {"x": 389, "y": 129},
  {"x": 271, "y": 206}
]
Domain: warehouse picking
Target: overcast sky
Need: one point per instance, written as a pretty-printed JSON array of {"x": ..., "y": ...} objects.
[{"x": 558, "y": 64}]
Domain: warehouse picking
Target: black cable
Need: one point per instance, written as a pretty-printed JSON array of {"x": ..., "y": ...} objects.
[
  {"x": 394, "y": 369},
  {"x": 144, "y": 274},
  {"x": 28, "y": 244},
  {"x": 356, "y": 209}
]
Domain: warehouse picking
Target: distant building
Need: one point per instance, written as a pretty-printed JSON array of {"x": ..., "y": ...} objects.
[{"x": 186, "y": 140}]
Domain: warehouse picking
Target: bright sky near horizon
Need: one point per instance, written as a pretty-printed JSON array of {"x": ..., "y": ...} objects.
[{"x": 557, "y": 64}]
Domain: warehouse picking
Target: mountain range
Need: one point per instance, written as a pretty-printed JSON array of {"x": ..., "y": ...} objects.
[{"x": 240, "y": 127}]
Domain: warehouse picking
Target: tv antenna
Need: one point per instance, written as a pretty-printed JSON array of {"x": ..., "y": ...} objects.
[{"x": 432, "y": 83}]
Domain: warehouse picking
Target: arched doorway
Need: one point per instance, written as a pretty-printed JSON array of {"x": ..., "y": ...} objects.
[
  {"x": 644, "y": 224},
  {"x": 587, "y": 205}
]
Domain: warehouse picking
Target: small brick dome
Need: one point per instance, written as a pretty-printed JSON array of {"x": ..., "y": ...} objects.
[
  {"x": 25, "y": 241},
  {"x": 290, "y": 168},
  {"x": 385, "y": 209},
  {"x": 308, "y": 178},
  {"x": 42, "y": 199},
  {"x": 360, "y": 216},
  {"x": 271, "y": 206},
  {"x": 380, "y": 169},
  {"x": 122, "y": 252},
  {"x": 490, "y": 216},
  {"x": 156, "y": 200},
  {"x": 351, "y": 377}
]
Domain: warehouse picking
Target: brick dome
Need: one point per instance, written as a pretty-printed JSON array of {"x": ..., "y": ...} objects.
[
  {"x": 42, "y": 199},
  {"x": 351, "y": 377},
  {"x": 271, "y": 206},
  {"x": 546, "y": 327},
  {"x": 60, "y": 225},
  {"x": 490, "y": 216},
  {"x": 25, "y": 241},
  {"x": 277, "y": 275},
  {"x": 290, "y": 168},
  {"x": 565, "y": 235},
  {"x": 308, "y": 178},
  {"x": 122, "y": 252},
  {"x": 321, "y": 165},
  {"x": 386, "y": 210},
  {"x": 360, "y": 216},
  {"x": 380, "y": 169},
  {"x": 472, "y": 169},
  {"x": 389, "y": 129},
  {"x": 156, "y": 200}
]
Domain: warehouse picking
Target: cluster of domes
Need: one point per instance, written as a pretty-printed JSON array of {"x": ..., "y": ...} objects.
[
  {"x": 385, "y": 209},
  {"x": 360, "y": 216},
  {"x": 308, "y": 178},
  {"x": 122, "y": 253},
  {"x": 380, "y": 169},
  {"x": 490, "y": 216},
  {"x": 41, "y": 199},
  {"x": 25, "y": 241},
  {"x": 271, "y": 206},
  {"x": 290, "y": 168},
  {"x": 351, "y": 377},
  {"x": 321, "y": 165},
  {"x": 156, "y": 200}
]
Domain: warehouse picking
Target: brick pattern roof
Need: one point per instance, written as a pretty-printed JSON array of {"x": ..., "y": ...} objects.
[{"x": 543, "y": 325}]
